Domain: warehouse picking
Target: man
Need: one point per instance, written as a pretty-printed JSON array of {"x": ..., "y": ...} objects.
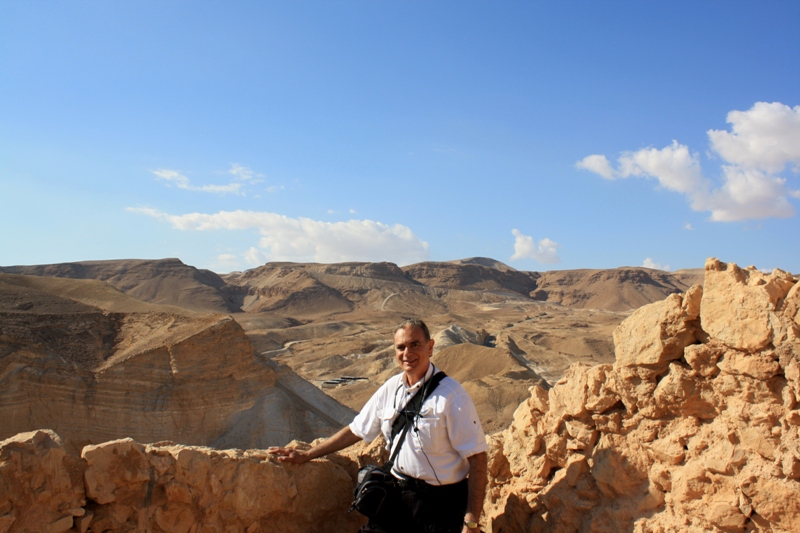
[{"x": 442, "y": 462}]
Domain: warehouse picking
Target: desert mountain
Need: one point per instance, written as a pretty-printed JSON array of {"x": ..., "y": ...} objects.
[
  {"x": 620, "y": 289},
  {"x": 94, "y": 364},
  {"x": 309, "y": 325},
  {"x": 694, "y": 426},
  {"x": 312, "y": 290},
  {"x": 163, "y": 281}
]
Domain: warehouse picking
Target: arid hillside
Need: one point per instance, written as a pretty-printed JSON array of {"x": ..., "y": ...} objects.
[
  {"x": 298, "y": 327},
  {"x": 693, "y": 427},
  {"x": 164, "y": 281},
  {"x": 93, "y": 364}
]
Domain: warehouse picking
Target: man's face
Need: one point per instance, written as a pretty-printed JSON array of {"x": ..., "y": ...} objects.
[{"x": 413, "y": 352}]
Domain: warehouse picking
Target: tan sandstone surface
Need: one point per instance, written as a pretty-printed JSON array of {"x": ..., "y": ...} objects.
[{"x": 693, "y": 427}]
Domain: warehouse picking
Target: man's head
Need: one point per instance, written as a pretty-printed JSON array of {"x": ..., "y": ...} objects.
[{"x": 413, "y": 348}]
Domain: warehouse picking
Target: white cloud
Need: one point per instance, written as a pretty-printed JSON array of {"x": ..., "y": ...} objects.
[
  {"x": 766, "y": 137},
  {"x": 673, "y": 166},
  {"x": 546, "y": 251},
  {"x": 304, "y": 239},
  {"x": 225, "y": 263},
  {"x": 688, "y": 227},
  {"x": 649, "y": 263},
  {"x": 763, "y": 141},
  {"x": 749, "y": 194},
  {"x": 255, "y": 257},
  {"x": 173, "y": 176},
  {"x": 241, "y": 173},
  {"x": 598, "y": 164}
]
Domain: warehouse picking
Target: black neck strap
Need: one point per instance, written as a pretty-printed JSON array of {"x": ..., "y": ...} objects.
[{"x": 406, "y": 417}]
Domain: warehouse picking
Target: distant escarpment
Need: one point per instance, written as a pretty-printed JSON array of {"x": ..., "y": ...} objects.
[
  {"x": 619, "y": 289},
  {"x": 161, "y": 281},
  {"x": 312, "y": 290}
]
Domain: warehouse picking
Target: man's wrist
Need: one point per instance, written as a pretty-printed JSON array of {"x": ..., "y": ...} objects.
[{"x": 471, "y": 521}]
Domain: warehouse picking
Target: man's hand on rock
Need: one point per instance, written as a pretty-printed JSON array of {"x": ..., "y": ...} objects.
[{"x": 289, "y": 455}]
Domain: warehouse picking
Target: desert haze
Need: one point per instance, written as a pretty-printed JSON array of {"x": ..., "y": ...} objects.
[{"x": 619, "y": 399}]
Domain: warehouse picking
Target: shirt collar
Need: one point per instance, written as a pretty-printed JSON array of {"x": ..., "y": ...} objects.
[{"x": 418, "y": 384}]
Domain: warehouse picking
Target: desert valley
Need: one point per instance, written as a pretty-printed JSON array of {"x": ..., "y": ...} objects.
[{"x": 139, "y": 395}]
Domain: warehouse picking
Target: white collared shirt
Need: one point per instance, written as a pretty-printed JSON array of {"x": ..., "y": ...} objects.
[{"x": 438, "y": 444}]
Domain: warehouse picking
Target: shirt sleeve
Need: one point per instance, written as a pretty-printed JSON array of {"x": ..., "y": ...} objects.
[
  {"x": 367, "y": 423},
  {"x": 464, "y": 427}
]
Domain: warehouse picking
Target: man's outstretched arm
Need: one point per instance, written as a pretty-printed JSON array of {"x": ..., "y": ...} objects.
[
  {"x": 477, "y": 487},
  {"x": 341, "y": 440}
]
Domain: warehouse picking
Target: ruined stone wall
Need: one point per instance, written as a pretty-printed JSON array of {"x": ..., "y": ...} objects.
[{"x": 123, "y": 486}]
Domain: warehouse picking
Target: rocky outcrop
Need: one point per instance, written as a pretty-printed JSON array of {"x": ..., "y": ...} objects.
[
  {"x": 125, "y": 486},
  {"x": 693, "y": 428}
]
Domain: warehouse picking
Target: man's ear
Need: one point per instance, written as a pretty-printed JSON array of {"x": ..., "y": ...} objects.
[{"x": 430, "y": 345}]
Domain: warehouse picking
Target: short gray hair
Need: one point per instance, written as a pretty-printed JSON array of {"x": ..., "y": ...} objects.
[{"x": 414, "y": 323}]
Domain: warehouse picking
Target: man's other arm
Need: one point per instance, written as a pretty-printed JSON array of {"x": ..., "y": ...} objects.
[
  {"x": 477, "y": 488},
  {"x": 341, "y": 440}
]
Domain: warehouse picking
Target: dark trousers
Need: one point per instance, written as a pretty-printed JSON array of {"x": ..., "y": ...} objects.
[{"x": 418, "y": 507}]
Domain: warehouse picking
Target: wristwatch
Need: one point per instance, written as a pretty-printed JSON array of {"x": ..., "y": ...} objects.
[{"x": 471, "y": 524}]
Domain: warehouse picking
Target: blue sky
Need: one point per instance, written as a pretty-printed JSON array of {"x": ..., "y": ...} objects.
[{"x": 547, "y": 135}]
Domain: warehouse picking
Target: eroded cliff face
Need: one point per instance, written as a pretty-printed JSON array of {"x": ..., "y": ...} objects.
[
  {"x": 146, "y": 375},
  {"x": 693, "y": 428},
  {"x": 73, "y": 361}
]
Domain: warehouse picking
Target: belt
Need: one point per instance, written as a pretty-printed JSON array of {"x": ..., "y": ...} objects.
[
  {"x": 410, "y": 483},
  {"x": 423, "y": 487}
]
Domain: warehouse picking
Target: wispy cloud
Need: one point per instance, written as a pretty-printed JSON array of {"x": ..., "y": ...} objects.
[
  {"x": 545, "y": 251},
  {"x": 242, "y": 176},
  {"x": 225, "y": 263},
  {"x": 303, "y": 239},
  {"x": 762, "y": 142},
  {"x": 649, "y": 263},
  {"x": 244, "y": 173}
]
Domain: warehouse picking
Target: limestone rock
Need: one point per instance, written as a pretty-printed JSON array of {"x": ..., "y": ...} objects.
[
  {"x": 41, "y": 487},
  {"x": 739, "y": 305},
  {"x": 122, "y": 486},
  {"x": 695, "y": 426}
]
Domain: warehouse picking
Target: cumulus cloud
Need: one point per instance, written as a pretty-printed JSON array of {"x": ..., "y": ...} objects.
[
  {"x": 766, "y": 137},
  {"x": 302, "y": 239},
  {"x": 545, "y": 251},
  {"x": 762, "y": 142},
  {"x": 649, "y": 263},
  {"x": 598, "y": 164}
]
